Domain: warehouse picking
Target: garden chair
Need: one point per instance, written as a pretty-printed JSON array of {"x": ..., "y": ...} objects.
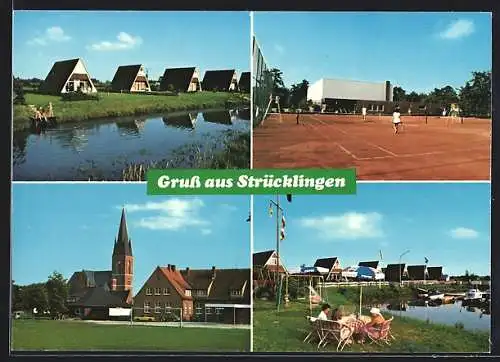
[
  {"x": 382, "y": 334},
  {"x": 335, "y": 331},
  {"x": 315, "y": 330}
]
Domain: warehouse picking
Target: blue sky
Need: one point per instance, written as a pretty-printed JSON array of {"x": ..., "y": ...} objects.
[
  {"x": 418, "y": 51},
  {"x": 106, "y": 39},
  {"x": 447, "y": 223},
  {"x": 70, "y": 227}
]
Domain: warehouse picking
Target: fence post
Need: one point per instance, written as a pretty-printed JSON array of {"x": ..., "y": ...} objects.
[{"x": 181, "y": 316}]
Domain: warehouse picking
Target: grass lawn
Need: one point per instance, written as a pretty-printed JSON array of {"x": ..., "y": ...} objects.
[
  {"x": 286, "y": 333},
  {"x": 117, "y": 105},
  {"x": 36, "y": 335}
]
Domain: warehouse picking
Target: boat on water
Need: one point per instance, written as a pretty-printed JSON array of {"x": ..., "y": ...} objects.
[
  {"x": 473, "y": 294},
  {"x": 435, "y": 295}
]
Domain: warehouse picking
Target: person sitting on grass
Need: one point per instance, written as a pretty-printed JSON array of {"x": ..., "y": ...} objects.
[{"x": 325, "y": 310}]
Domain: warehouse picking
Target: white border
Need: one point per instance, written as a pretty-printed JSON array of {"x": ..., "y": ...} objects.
[{"x": 251, "y": 88}]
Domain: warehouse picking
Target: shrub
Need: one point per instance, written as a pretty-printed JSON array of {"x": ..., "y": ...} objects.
[
  {"x": 79, "y": 96},
  {"x": 19, "y": 92}
]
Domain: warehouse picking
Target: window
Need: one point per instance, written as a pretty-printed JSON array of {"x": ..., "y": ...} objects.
[
  {"x": 199, "y": 310},
  {"x": 219, "y": 311},
  {"x": 188, "y": 292},
  {"x": 157, "y": 291},
  {"x": 148, "y": 291},
  {"x": 70, "y": 86},
  {"x": 157, "y": 306},
  {"x": 235, "y": 292},
  {"x": 78, "y": 311},
  {"x": 208, "y": 311},
  {"x": 201, "y": 292},
  {"x": 166, "y": 291},
  {"x": 147, "y": 307}
]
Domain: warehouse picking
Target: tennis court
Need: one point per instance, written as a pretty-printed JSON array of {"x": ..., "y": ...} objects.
[{"x": 441, "y": 149}]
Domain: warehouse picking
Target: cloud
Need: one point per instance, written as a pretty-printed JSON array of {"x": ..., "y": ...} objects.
[
  {"x": 351, "y": 225},
  {"x": 458, "y": 29},
  {"x": 54, "y": 34},
  {"x": 172, "y": 214},
  {"x": 125, "y": 41},
  {"x": 463, "y": 233},
  {"x": 279, "y": 49}
]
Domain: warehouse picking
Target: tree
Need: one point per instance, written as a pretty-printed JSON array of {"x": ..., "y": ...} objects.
[
  {"x": 18, "y": 89},
  {"x": 35, "y": 296},
  {"x": 398, "y": 94},
  {"x": 475, "y": 96},
  {"x": 17, "y": 300},
  {"x": 415, "y": 97},
  {"x": 277, "y": 79},
  {"x": 298, "y": 94},
  {"x": 57, "y": 293},
  {"x": 444, "y": 96}
]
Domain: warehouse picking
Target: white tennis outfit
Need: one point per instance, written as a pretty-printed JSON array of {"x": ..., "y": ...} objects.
[
  {"x": 396, "y": 118},
  {"x": 363, "y": 110}
]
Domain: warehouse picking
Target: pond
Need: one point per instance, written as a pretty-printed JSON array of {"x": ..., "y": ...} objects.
[
  {"x": 472, "y": 318},
  {"x": 75, "y": 151}
]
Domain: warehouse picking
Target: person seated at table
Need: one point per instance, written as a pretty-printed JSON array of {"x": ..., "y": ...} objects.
[
  {"x": 337, "y": 314},
  {"x": 325, "y": 310}
]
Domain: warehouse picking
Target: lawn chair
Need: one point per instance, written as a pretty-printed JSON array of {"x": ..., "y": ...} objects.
[
  {"x": 315, "y": 330},
  {"x": 381, "y": 334},
  {"x": 335, "y": 331}
]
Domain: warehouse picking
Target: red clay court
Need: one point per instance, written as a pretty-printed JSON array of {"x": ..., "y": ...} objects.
[{"x": 439, "y": 150}]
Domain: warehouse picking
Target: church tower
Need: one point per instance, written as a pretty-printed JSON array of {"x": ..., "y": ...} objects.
[{"x": 123, "y": 262}]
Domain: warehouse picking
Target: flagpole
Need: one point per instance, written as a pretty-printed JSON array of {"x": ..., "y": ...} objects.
[{"x": 277, "y": 235}]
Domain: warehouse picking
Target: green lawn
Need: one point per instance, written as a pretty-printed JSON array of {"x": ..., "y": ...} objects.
[
  {"x": 285, "y": 333},
  {"x": 117, "y": 105},
  {"x": 36, "y": 335}
]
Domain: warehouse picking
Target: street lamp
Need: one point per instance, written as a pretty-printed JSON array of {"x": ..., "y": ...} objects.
[{"x": 400, "y": 272}]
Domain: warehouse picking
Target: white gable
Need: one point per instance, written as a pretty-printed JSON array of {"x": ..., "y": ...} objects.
[
  {"x": 141, "y": 72},
  {"x": 80, "y": 68}
]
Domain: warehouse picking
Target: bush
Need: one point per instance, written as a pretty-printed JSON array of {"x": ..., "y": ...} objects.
[
  {"x": 19, "y": 92},
  {"x": 79, "y": 96}
]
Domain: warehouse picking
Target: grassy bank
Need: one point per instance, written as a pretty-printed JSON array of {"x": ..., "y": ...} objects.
[
  {"x": 31, "y": 335},
  {"x": 229, "y": 151},
  {"x": 118, "y": 105},
  {"x": 285, "y": 332}
]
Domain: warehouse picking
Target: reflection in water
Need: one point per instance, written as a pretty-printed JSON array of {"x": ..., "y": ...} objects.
[
  {"x": 101, "y": 149},
  {"x": 221, "y": 117},
  {"x": 244, "y": 114},
  {"x": 180, "y": 121}
]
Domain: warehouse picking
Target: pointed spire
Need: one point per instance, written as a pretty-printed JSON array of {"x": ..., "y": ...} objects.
[{"x": 123, "y": 244}]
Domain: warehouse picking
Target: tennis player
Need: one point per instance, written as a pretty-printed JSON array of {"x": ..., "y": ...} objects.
[
  {"x": 396, "y": 119},
  {"x": 363, "y": 112}
]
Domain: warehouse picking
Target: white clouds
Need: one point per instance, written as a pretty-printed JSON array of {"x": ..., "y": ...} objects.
[
  {"x": 458, "y": 29},
  {"x": 54, "y": 34},
  {"x": 351, "y": 225},
  {"x": 124, "y": 41},
  {"x": 173, "y": 214},
  {"x": 463, "y": 233}
]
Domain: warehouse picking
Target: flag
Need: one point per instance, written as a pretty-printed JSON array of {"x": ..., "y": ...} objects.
[
  {"x": 289, "y": 197},
  {"x": 283, "y": 221},
  {"x": 381, "y": 257},
  {"x": 426, "y": 260},
  {"x": 249, "y": 217},
  {"x": 282, "y": 234}
]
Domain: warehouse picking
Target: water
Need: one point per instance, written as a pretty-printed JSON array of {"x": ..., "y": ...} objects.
[
  {"x": 74, "y": 151},
  {"x": 471, "y": 317}
]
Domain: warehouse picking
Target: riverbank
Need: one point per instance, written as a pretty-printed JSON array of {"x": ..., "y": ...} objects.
[
  {"x": 233, "y": 153},
  {"x": 284, "y": 332},
  {"x": 119, "y": 105}
]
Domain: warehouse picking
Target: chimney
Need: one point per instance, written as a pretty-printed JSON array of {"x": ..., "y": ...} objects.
[
  {"x": 187, "y": 270},
  {"x": 388, "y": 91},
  {"x": 113, "y": 284},
  {"x": 213, "y": 272}
]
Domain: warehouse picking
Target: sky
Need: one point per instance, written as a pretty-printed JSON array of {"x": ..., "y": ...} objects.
[
  {"x": 70, "y": 227},
  {"x": 447, "y": 223},
  {"x": 416, "y": 51},
  {"x": 108, "y": 39}
]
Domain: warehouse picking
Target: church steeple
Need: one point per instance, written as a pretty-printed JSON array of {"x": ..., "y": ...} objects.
[{"x": 123, "y": 245}]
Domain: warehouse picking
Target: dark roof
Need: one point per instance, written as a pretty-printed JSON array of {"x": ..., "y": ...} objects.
[
  {"x": 123, "y": 245},
  {"x": 198, "y": 278},
  {"x": 219, "y": 116},
  {"x": 179, "y": 78},
  {"x": 393, "y": 272},
  {"x": 370, "y": 264},
  {"x": 435, "y": 272},
  {"x": 84, "y": 279},
  {"x": 261, "y": 258},
  {"x": 180, "y": 121},
  {"x": 244, "y": 83},
  {"x": 217, "y": 79},
  {"x": 103, "y": 297},
  {"x": 325, "y": 263},
  {"x": 58, "y": 75},
  {"x": 416, "y": 272},
  {"x": 124, "y": 77}
]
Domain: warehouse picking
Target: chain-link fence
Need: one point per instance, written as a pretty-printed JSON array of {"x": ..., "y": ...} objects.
[{"x": 262, "y": 83}]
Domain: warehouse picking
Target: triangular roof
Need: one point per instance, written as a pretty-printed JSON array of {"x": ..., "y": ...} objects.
[
  {"x": 103, "y": 297},
  {"x": 179, "y": 78},
  {"x": 435, "y": 272},
  {"x": 82, "y": 280},
  {"x": 125, "y": 76},
  {"x": 176, "y": 279},
  {"x": 370, "y": 264},
  {"x": 123, "y": 245},
  {"x": 327, "y": 263},
  {"x": 244, "y": 83},
  {"x": 218, "y": 79},
  {"x": 416, "y": 272},
  {"x": 58, "y": 76},
  {"x": 261, "y": 258}
]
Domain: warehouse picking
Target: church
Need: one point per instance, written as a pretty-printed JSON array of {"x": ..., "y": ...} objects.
[{"x": 95, "y": 294}]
